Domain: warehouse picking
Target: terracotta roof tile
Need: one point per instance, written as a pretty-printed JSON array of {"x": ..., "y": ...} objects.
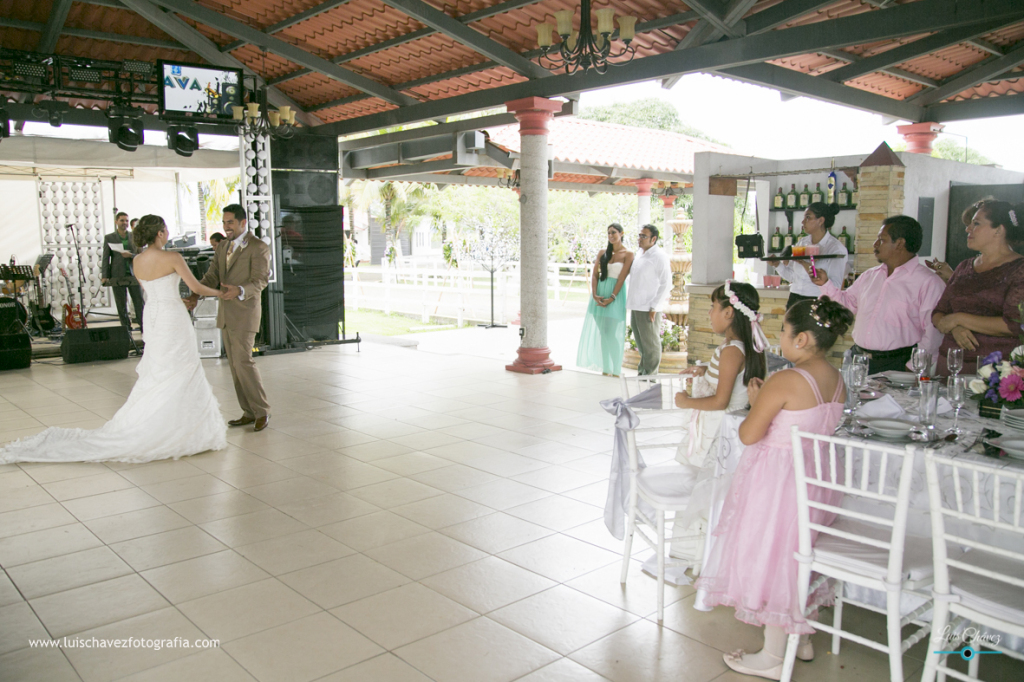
[
  {"x": 314, "y": 88},
  {"x": 353, "y": 26},
  {"x": 1008, "y": 87},
  {"x": 481, "y": 80},
  {"x": 884, "y": 84},
  {"x": 363, "y": 107},
  {"x": 267, "y": 64},
  {"x": 607, "y": 144}
]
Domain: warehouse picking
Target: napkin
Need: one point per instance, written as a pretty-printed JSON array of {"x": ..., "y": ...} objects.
[
  {"x": 944, "y": 406},
  {"x": 885, "y": 407}
]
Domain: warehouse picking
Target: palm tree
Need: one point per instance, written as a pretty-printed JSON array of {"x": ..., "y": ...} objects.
[{"x": 395, "y": 205}]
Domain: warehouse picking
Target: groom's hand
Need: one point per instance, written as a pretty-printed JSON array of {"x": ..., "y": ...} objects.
[
  {"x": 191, "y": 302},
  {"x": 230, "y": 292}
]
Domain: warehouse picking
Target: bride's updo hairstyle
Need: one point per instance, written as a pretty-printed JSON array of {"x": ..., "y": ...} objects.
[
  {"x": 148, "y": 228},
  {"x": 824, "y": 319}
]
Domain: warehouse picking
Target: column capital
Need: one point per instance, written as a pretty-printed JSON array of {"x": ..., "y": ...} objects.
[
  {"x": 533, "y": 113},
  {"x": 668, "y": 200},
  {"x": 643, "y": 186},
  {"x": 919, "y": 136}
]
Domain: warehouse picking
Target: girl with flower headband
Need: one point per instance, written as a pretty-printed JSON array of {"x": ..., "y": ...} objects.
[
  {"x": 751, "y": 565},
  {"x": 721, "y": 386}
]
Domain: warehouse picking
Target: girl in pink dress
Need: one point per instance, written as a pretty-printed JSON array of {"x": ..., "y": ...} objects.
[{"x": 751, "y": 565}]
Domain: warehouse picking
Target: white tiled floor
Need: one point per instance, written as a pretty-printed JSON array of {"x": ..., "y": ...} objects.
[{"x": 408, "y": 516}]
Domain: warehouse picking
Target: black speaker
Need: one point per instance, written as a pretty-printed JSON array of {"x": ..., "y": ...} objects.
[
  {"x": 99, "y": 343},
  {"x": 15, "y": 351}
]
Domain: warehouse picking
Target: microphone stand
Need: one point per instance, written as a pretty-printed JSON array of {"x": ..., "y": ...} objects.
[{"x": 81, "y": 270}]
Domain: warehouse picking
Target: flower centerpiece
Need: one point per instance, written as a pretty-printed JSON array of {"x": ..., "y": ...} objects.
[{"x": 1000, "y": 382}]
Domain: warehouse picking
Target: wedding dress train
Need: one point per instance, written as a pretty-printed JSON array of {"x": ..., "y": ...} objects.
[{"x": 171, "y": 411}]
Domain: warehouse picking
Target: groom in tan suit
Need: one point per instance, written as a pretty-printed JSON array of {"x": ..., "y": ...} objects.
[{"x": 240, "y": 267}]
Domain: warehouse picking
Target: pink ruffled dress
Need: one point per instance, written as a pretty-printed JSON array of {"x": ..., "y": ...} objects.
[{"x": 751, "y": 566}]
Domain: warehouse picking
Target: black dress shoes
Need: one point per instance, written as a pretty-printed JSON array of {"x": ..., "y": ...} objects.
[
  {"x": 242, "y": 421},
  {"x": 262, "y": 422}
]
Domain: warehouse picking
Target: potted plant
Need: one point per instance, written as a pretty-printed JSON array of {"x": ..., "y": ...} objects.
[{"x": 673, "y": 357}]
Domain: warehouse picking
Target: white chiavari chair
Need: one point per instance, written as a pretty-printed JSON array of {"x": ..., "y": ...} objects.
[
  {"x": 866, "y": 545},
  {"x": 983, "y": 587}
]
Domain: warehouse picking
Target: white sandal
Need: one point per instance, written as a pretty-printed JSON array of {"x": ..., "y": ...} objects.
[{"x": 735, "y": 662}]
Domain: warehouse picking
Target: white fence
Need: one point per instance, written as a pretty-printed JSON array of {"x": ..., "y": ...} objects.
[{"x": 433, "y": 290}]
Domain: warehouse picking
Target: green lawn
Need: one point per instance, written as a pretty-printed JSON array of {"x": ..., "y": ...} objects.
[{"x": 375, "y": 322}]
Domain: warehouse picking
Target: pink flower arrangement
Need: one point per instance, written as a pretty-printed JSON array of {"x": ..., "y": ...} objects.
[{"x": 1010, "y": 387}]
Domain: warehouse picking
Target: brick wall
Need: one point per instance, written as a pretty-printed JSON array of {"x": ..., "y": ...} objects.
[{"x": 880, "y": 196}]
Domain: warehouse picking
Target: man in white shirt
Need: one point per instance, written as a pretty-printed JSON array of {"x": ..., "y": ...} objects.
[{"x": 650, "y": 279}]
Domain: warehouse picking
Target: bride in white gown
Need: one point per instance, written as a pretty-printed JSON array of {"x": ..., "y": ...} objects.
[{"x": 171, "y": 411}]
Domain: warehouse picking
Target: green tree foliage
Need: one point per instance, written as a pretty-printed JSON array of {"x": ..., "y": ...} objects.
[
  {"x": 645, "y": 113},
  {"x": 954, "y": 151},
  {"x": 395, "y": 205}
]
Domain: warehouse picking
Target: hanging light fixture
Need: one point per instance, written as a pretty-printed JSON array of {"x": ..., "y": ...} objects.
[
  {"x": 508, "y": 178},
  {"x": 587, "y": 49},
  {"x": 256, "y": 118}
]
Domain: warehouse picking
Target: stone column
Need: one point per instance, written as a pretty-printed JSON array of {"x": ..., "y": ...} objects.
[
  {"x": 919, "y": 136},
  {"x": 668, "y": 203},
  {"x": 643, "y": 201},
  {"x": 533, "y": 114}
]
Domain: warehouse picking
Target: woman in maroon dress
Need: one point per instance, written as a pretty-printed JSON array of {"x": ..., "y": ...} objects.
[{"x": 979, "y": 310}]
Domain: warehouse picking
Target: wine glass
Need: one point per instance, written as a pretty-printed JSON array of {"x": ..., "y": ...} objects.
[
  {"x": 920, "y": 359},
  {"x": 955, "y": 360},
  {"x": 956, "y": 393},
  {"x": 858, "y": 378}
]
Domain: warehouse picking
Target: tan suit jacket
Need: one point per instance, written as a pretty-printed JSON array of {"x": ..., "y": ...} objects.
[{"x": 249, "y": 269}]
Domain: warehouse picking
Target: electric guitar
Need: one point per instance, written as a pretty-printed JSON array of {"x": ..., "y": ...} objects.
[{"x": 73, "y": 318}]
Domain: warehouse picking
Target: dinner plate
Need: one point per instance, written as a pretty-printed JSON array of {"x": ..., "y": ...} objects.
[
  {"x": 894, "y": 429},
  {"x": 869, "y": 394},
  {"x": 1014, "y": 447}
]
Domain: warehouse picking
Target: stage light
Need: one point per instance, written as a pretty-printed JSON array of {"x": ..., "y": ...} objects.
[
  {"x": 183, "y": 140},
  {"x": 84, "y": 75},
  {"x": 125, "y": 132},
  {"x": 30, "y": 69},
  {"x": 137, "y": 68}
]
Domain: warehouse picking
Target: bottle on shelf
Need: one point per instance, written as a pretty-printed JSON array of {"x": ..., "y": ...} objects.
[
  {"x": 775, "y": 245},
  {"x": 846, "y": 239},
  {"x": 805, "y": 197},
  {"x": 831, "y": 192},
  {"x": 854, "y": 196},
  {"x": 779, "y": 200},
  {"x": 789, "y": 239},
  {"x": 817, "y": 195},
  {"x": 843, "y": 197},
  {"x": 792, "y": 199}
]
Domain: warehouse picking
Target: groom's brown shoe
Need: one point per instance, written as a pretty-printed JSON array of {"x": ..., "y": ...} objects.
[
  {"x": 242, "y": 421},
  {"x": 261, "y": 423}
]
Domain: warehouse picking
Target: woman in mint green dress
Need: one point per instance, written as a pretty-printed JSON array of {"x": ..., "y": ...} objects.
[{"x": 603, "y": 340}]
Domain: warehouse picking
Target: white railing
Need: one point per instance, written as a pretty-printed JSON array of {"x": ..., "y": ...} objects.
[{"x": 433, "y": 290}]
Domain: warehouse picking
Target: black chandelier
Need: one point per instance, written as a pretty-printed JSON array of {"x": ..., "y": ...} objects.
[
  {"x": 587, "y": 49},
  {"x": 256, "y": 118},
  {"x": 508, "y": 178}
]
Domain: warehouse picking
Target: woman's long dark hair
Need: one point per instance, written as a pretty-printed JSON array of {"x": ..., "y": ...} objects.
[
  {"x": 755, "y": 364},
  {"x": 607, "y": 255}
]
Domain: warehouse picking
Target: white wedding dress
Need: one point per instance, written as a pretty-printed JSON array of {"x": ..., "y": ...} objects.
[{"x": 171, "y": 411}]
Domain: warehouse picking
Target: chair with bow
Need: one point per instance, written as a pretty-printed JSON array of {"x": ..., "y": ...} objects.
[
  {"x": 983, "y": 588},
  {"x": 652, "y": 491}
]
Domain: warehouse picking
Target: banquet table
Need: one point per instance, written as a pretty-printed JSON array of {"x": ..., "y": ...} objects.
[{"x": 730, "y": 450}]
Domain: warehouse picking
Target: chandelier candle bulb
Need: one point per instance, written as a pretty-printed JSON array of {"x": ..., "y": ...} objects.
[
  {"x": 627, "y": 28},
  {"x": 285, "y": 112},
  {"x": 237, "y": 112},
  {"x": 572, "y": 40},
  {"x": 605, "y": 20},
  {"x": 254, "y": 110},
  {"x": 564, "y": 20},
  {"x": 544, "y": 35},
  {"x": 275, "y": 118}
]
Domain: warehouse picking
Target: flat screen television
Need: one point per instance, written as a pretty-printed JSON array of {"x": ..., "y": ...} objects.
[{"x": 197, "y": 91}]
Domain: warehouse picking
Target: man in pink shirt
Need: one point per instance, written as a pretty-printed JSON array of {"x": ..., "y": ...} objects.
[{"x": 894, "y": 301}]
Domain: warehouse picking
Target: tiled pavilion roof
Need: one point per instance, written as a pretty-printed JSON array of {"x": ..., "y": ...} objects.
[{"x": 356, "y": 65}]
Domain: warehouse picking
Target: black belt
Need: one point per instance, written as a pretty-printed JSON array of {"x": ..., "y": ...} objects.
[{"x": 883, "y": 354}]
